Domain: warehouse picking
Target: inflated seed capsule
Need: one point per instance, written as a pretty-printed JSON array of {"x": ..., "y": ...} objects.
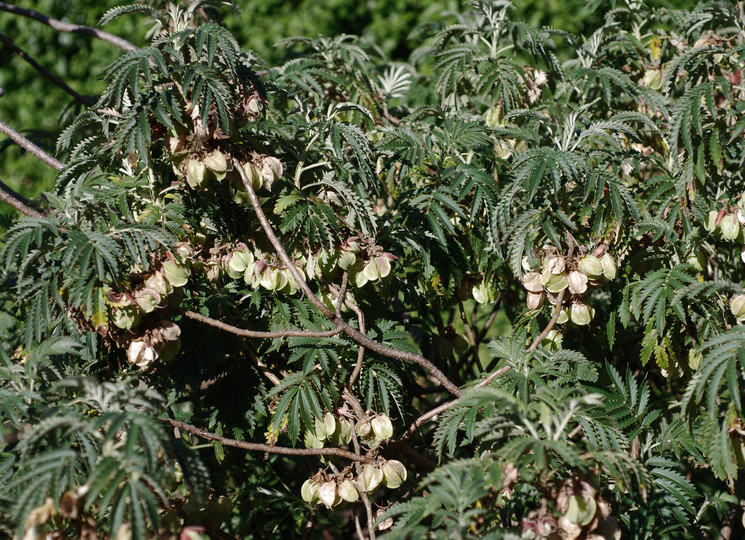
[
  {"x": 609, "y": 266},
  {"x": 577, "y": 282},
  {"x": 557, "y": 283},
  {"x": 348, "y": 491},
  {"x": 176, "y": 274},
  {"x": 382, "y": 427},
  {"x": 590, "y": 266},
  {"x": 580, "y": 314},
  {"x": 328, "y": 495},
  {"x": 394, "y": 473},
  {"x": 737, "y": 306},
  {"x": 371, "y": 477},
  {"x": 711, "y": 221},
  {"x": 535, "y": 300},
  {"x": 532, "y": 282},
  {"x": 195, "y": 171},
  {"x": 217, "y": 163},
  {"x": 730, "y": 227}
]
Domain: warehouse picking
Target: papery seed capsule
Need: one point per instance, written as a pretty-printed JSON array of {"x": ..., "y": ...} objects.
[
  {"x": 557, "y": 283},
  {"x": 563, "y": 317},
  {"x": 535, "y": 300},
  {"x": 737, "y": 306},
  {"x": 217, "y": 163},
  {"x": 590, "y": 266},
  {"x": 238, "y": 262},
  {"x": 577, "y": 282},
  {"x": 394, "y": 473},
  {"x": 580, "y": 314},
  {"x": 730, "y": 227},
  {"x": 158, "y": 283},
  {"x": 330, "y": 424},
  {"x": 126, "y": 317},
  {"x": 711, "y": 221},
  {"x": 382, "y": 427},
  {"x": 176, "y": 274},
  {"x": 371, "y": 477},
  {"x": 253, "y": 173},
  {"x": 371, "y": 270},
  {"x": 556, "y": 265},
  {"x": 147, "y": 299},
  {"x": 346, "y": 259},
  {"x": 195, "y": 171},
  {"x": 480, "y": 293},
  {"x": 532, "y": 282},
  {"x": 383, "y": 265},
  {"x": 348, "y": 491},
  {"x": 311, "y": 440},
  {"x": 309, "y": 491},
  {"x": 364, "y": 429},
  {"x": 271, "y": 171},
  {"x": 344, "y": 430},
  {"x": 609, "y": 266},
  {"x": 327, "y": 493}
]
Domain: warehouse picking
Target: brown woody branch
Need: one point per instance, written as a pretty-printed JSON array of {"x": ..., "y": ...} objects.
[
  {"x": 62, "y": 26},
  {"x": 17, "y": 201},
  {"x": 258, "y": 447},
  {"x": 355, "y": 334},
  {"x": 27, "y": 145},
  {"x": 259, "y": 334},
  {"x": 45, "y": 72}
]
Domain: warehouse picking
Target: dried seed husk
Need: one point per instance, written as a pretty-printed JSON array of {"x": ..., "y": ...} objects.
[
  {"x": 556, "y": 265},
  {"x": 328, "y": 495},
  {"x": 532, "y": 282},
  {"x": 577, "y": 282}
]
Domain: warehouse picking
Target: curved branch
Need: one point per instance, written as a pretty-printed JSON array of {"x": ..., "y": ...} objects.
[
  {"x": 27, "y": 145},
  {"x": 62, "y": 26},
  {"x": 258, "y": 447},
  {"x": 258, "y": 334},
  {"x": 355, "y": 334},
  {"x": 17, "y": 201},
  {"x": 44, "y": 71}
]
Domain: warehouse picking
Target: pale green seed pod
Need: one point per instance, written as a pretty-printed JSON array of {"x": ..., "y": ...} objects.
[
  {"x": 394, "y": 473},
  {"x": 557, "y": 283},
  {"x": 580, "y": 314},
  {"x": 126, "y": 317},
  {"x": 580, "y": 510},
  {"x": 610, "y": 268},
  {"x": 382, "y": 427},
  {"x": 195, "y": 172},
  {"x": 711, "y": 221},
  {"x": 737, "y": 306},
  {"x": 147, "y": 299},
  {"x": 217, "y": 163},
  {"x": 158, "y": 283},
  {"x": 383, "y": 265},
  {"x": 730, "y": 227},
  {"x": 238, "y": 263},
  {"x": 590, "y": 266},
  {"x": 371, "y": 478},
  {"x": 176, "y": 274},
  {"x": 364, "y": 429},
  {"x": 348, "y": 491}
]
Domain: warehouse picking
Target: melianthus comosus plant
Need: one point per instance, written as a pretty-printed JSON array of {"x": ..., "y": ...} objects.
[{"x": 261, "y": 293}]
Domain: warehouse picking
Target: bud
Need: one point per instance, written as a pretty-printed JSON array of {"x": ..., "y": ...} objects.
[
  {"x": 577, "y": 282},
  {"x": 348, "y": 491},
  {"x": 590, "y": 266},
  {"x": 382, "y": 427},
  {"x": 195, "y": 171},
  {"x": 309, "y": 491},
  {"x": 535, "y": 300},
  {"x": 394, "y": 473},
  {"x": 737, "y": 306},
  {"x": 327, "y": 494},
  {"x": 730, "y": 227},
  {"x": 532, "y": 282},
  {"x": 176, "y": 274},
  {"x": 609, "y": 266},
  {"x": 371, "y": 477}
]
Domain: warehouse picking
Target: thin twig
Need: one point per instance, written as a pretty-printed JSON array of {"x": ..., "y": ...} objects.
[
  {"x": 62, "y": 26},
  {"x": 551, "y": 322},
  {"x": 361, "y": 350},
  {"x": 267, "y": 448},
  {"x": 27, "y": 145},
  {"x": 44, "y": 71},
  {"x": 342, "y": 293},
  {"x": 259, "y": 334},
  {"x": 355, "y": 334},
  {"x": 17, "y": 201},
  {"x": 363, "y": 493}
]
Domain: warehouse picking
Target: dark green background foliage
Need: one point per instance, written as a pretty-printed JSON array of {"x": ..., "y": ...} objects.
[{"x": 453, "y": 172}]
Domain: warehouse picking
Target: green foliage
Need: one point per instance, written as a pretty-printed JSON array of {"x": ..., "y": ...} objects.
[{"x": 260, "y": 291}]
